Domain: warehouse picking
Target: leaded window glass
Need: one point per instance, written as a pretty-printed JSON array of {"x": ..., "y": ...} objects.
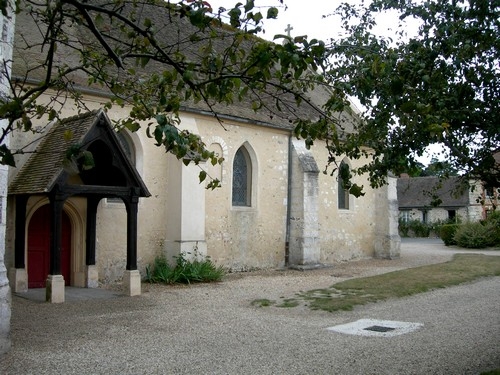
[
  {"x": 343, "y": 191},
  {"x": 241, "y": 179}
]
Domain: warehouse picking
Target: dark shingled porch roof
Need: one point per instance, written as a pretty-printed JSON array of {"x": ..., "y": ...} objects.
[{"x": 46, "y": 165}]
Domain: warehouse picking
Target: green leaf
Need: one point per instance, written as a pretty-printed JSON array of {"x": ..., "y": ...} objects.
[
  {"x": 249, "y": 5},
  {"x": 272, "y": 13},
  {"x": 356, "y": 190},
  {"x": 202, "y": 176},
  {"x": 6, "y": 157},
  {"x": 234, "y": 17}
]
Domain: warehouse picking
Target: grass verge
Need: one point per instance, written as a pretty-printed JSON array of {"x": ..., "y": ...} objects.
[{"x": 347, "y": 294}]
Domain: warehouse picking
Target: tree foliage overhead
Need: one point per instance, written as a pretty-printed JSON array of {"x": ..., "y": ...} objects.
[
  {"x": 439, "y": 87},
  {"x": 158, "y": 58}
]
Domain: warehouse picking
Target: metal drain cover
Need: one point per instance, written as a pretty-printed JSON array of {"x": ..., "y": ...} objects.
[
  {"x": 376, "y": 328},
  {"x": 379, "y": 329}
]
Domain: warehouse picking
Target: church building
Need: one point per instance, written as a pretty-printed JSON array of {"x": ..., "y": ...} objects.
[{"x": 275, "y": 208}]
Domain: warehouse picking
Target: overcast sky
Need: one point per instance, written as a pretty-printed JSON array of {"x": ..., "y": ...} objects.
[{"x": 306, "y": 17}]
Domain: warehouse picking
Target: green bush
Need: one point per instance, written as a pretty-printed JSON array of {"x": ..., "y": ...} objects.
[
  {"x": 476, "y": 235},
  {"x": 447, "y": 233},
  {"x": 420, "y": 228},
  {"x": 493, "y": 221},
  {"x": 414, "y": 228},
  {"x": 185, "y": 271},
  {"x": 404, "y": 228}
]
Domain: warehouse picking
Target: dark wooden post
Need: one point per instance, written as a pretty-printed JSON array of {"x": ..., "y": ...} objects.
[
  {"x": 92, "y": 204},
  {"x": 56, "y": 208},
  {"x": 132, "y": 205},
  {"x": 20, "y": 239}
]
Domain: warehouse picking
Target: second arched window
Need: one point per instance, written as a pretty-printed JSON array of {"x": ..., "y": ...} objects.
[{"x": 242, "y": 178}]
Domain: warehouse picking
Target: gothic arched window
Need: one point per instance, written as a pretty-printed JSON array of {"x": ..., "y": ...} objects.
[
  {"x": 242, "y": 178},
  {"x": 343, "y": 188}
]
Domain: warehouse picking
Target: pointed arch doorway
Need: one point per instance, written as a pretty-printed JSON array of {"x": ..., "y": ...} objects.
[{"x": 39, "y": 248}]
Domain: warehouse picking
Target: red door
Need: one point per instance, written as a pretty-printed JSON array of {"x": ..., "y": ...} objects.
[{"x": 39, "y": 248}]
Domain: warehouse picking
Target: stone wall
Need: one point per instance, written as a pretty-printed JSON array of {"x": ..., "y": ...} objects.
[
  {"x": 244, "y": 238},
  {"x": 304, "y": 242},
  {"x": 181, "y": 215}
]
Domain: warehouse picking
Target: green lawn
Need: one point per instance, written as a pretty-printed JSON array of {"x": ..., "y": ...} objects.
[{"x": 347, "y": 294}]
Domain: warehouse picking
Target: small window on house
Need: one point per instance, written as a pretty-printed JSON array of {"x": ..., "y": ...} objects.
[
  {"x": 425, "y": 217},
  {"x": 405, "y": 216},
  {"x": 242, "y": 178},
  {"x": 343, "y": 189}
]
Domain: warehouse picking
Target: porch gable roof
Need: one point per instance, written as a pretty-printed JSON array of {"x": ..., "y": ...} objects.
[{"x": 47, "y": 167}]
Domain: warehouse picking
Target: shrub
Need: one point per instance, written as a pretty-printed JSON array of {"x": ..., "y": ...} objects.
[
  {"x": 404, "y": 228},
  {"x": 493, "y": 221},
  {"x": 476, "y": 235},
  {"x": 447, "y": 233},
  {"x": 420, "y": 228},
  {"x": 414, "y": 228},
  {"x": 185, "y": 271}
]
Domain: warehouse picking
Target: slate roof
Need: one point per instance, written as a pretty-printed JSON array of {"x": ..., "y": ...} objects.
[
  {"x": 46, "y": 165},
  {"x": 419, "y": 192},
  {"x": 173, "y": 32}
]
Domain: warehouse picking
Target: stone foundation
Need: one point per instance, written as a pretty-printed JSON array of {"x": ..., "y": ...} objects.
[
  {"x": 92, "y": 277},
  {"x": 132, "y": 283},
  {"x": 18, "y": 278},
  {"x": 54, "y": 292}
]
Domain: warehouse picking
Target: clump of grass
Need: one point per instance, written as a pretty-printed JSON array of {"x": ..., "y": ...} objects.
[
  {"x": 185, "y": 271},
  {"x": 347, "y": 294}
]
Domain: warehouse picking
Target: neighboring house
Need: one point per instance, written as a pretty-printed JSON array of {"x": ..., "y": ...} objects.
[
  {"x": 274, "y": 207},
  {"x": 432, "y": 199}
]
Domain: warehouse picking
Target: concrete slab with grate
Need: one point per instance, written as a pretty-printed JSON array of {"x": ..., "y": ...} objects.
[{"x": 376, "y": 328}]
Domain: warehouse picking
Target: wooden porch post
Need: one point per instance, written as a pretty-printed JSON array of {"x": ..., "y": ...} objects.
[
  {"x": 54, "y": 291},
  {"x": 132, "y": 277},
  {"x": 91, "y": 275},
  {"x": 20, "y": 239},
  {"x": 132, "y": 233},
  {"x": 17, "y": 275}
]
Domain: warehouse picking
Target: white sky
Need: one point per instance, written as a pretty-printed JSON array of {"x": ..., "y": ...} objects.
[{"x": 304, "y": 16}]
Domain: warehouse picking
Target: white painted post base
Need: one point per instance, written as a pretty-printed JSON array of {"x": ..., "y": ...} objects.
[
  {"x": 54, "y": 290},
  {"x": 18, "y": 278},
  {"x": 132, "y": 283},
  {"x": 92, "y": 277}
]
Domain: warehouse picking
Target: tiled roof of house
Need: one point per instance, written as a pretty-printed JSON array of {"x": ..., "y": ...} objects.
[{"x": 421, "y": 192}]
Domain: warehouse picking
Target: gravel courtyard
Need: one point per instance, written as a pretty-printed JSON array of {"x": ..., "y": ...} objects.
[{"x": 214, "y": 329}]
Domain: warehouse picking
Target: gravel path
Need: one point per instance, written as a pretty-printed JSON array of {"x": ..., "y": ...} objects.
[{"x": 213, "y": 329}]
